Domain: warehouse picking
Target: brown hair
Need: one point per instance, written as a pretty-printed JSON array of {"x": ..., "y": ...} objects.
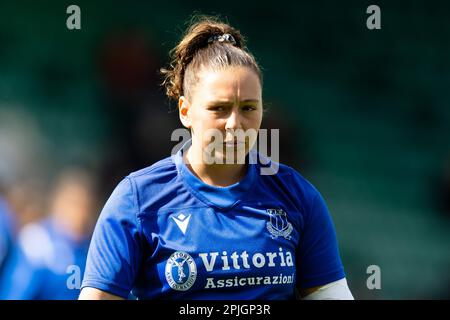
[{"x": 194, "y": 53}]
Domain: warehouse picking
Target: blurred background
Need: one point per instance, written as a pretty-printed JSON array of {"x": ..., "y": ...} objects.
[{"x": 364, "y": 115}]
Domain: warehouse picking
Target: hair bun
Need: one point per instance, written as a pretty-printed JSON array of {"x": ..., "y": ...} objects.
[{"x": 203, "y": 32}]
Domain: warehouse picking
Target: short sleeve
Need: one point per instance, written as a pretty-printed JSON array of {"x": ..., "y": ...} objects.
[
  {"x": 318, "y": 259},
  {"x": 115, "y": 251}
]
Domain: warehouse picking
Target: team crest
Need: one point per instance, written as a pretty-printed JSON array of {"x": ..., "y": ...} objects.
[
  {"x": 181, "y": 271},
  {"x": 278, "y": 225}
]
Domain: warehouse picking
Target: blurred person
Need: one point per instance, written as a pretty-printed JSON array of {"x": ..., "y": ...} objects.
[
  {"x": 23, "y": 155},
  {"x": 51, "y": 250},
  {"x": 7, "y": 232},
  {"x": 24, "y": 164},
  {"x": 27, "y": 201},
  {"x": 184, "y": 228}
]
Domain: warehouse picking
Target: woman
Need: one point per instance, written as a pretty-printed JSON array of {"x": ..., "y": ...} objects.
[{"x": 201, "y": 224}]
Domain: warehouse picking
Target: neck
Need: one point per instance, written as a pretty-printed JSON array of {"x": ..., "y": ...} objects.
[{"x": 219, "y": 175}]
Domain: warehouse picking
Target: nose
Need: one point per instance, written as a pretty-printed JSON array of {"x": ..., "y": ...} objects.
[{"x": 233, "y": 120}]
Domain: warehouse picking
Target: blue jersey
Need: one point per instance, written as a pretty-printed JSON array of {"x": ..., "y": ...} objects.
[
  {"x": 44, "y": 264},
  {"x": 165, "y": 234},
  {"x": 6, "y": 233}
]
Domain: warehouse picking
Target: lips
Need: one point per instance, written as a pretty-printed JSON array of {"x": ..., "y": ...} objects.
[{"x": 233, "y": 143}]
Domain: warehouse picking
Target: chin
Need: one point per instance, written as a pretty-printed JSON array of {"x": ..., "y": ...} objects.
[{"x": 235, "y": 156}]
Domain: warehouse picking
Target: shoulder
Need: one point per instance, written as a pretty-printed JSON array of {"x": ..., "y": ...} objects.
[
  {"x": 288, "y": 178},
  {"x": 148, "y": 185},
  {"x": 162, "y": 171},
  {"x": 300, "y": 182},
  {"x": 161, "y": 166}
]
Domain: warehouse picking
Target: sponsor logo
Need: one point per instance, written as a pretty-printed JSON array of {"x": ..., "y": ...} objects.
[
  {"x": 245, "y": 261},
  {"x": 180, "y": 271},
  {"x": 281, "y": 279}
]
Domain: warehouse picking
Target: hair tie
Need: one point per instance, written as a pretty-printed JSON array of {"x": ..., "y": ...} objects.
[{"x": 226, "y": 37}]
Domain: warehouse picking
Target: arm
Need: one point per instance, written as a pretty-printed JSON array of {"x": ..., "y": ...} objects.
[
  {"x": 336, "y": 290},
  {"x": 115, "y": 252},
  {"x": 301, "y": 293},
  {"x": 318, "y": 262},
  {"x": 89, "y": 293}
]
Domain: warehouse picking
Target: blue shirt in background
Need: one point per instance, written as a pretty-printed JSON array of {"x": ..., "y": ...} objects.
[
  {"x": 6, "y": 233},
  {"x": 44, "y": 264}
]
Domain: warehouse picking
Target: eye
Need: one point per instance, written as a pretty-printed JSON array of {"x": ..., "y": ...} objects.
[
  {"x": 217, "y": 108},
  {"x": 248, "y": 108}
]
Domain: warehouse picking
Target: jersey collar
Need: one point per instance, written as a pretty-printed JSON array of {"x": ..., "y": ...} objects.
[{"x": 220, "y": 197}]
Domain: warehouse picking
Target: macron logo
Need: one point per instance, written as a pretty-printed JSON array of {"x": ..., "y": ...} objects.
[{"x": 182, "y": 222}]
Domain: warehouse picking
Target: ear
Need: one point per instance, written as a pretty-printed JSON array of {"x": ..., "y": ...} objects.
[{"x": 183, "y": 110}]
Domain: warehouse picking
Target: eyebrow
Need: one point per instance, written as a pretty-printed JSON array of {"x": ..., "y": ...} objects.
[{"x": 228, "y": 102}]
